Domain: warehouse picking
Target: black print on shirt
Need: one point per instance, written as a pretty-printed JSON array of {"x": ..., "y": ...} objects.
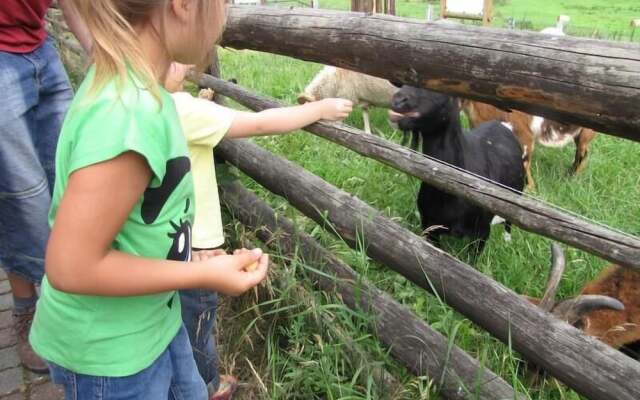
[{"x": 156, "y": 198}]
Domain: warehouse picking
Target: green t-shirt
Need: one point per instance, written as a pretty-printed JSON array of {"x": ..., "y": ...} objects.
[{"x": 120, "y": 336}]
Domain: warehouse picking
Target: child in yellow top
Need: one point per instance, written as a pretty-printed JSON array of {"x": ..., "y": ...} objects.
[{"x": 205, "y": 123}]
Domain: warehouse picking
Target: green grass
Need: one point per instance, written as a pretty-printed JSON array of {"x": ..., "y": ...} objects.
[
  {"x": 294, "y": 357},
  {"x": 591, "y": 18}
]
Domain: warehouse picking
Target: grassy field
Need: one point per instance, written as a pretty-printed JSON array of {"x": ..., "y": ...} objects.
[
  {"x": 279, "y": 342},
  {"x": 590, "y": 18}
]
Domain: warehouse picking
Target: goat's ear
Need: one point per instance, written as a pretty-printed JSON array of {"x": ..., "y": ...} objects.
[{"x": 305, "y": 98}]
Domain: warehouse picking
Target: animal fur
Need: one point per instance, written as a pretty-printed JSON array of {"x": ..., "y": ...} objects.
[
  {"x": 363, "y": 90},
  {"x": 490, "y": 150},
  {"x": 530, "y": 129},
  {"x": 616, "y": 328}
]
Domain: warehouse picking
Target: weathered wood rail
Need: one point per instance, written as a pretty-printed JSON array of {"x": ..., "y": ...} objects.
[
  {"x": 583, "y": 81},
  {"x": 422, "y": 349},
  {"x": 525, "y": 212},
  {"x": 588, "y": 366}
]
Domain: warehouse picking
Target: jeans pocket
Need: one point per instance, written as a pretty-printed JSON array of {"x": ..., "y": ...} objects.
[{"x": 67, "y": 379}]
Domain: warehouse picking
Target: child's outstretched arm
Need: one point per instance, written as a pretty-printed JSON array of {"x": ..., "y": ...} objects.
[
  {"x": 287, "y": 119},
  {"x": 94, "y": 207}
]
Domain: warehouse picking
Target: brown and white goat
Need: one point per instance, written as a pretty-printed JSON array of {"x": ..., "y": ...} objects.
[
  {"x": 363, "y": 90},
  {"x": 615, "y": 328},
  {"x": 530, "y": 129},
  {"x": 607, "y": 308}
]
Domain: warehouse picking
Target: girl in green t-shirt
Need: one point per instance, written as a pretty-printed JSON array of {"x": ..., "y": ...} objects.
[{"x": 108, "y": 321}]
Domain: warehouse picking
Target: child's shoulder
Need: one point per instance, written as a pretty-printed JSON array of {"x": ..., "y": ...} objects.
[
  {"x": 186, "y": 103},
  {"x": 117, "y": 98}
]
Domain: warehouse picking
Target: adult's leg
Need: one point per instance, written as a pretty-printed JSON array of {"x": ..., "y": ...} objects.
[
  {"x": 24, "y": 196},
  {"x": 55, "y": 97}
]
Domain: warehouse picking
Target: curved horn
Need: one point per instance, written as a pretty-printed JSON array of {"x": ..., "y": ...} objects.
[
  {"x": 557, "y": 269},
  {"x": 572, "y": 310}
]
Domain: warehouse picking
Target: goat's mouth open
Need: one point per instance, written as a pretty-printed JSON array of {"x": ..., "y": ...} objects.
[{"x": 395, "y": 116}]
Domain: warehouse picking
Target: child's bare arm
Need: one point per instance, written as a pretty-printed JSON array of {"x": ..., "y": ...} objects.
[
  {"x": 287, "y": 119},
  {"x": 273, "y": 121},
  {"x": 95, "y": 205}
]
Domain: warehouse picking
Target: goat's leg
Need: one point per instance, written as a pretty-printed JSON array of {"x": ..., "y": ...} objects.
[
  {"x": 527, "y": 157},
  {"x": 527, "y": 139},
  {"x": 480, "y": 234},
  {"x": 415, "y": 141},
  {"x": 582, "y": 148},
  {"x": 477, "y": 247},
  {"x": 434, "y": 239},
  {"x": 365, "y": 117},
  {"x": 507, "y": 231}
]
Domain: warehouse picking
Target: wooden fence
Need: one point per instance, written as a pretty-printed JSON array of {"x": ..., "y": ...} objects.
[
  {"x": 583, "y": 81},
  {"x": 574, "y": 80}
]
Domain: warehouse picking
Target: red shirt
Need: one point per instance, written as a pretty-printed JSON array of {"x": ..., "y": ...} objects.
[{"x": 22, "y": 25}]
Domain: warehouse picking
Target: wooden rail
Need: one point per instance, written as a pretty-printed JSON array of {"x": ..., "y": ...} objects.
[{"x": 583, "y": 81}]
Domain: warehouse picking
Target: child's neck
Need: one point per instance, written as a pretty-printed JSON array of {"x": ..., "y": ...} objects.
[{"x": 154, "y": 52}]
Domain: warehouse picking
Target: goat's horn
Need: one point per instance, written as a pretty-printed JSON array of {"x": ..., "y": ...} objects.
[
  {"x": 572, "y": 310},
  {"x": 557, "y": 269}
]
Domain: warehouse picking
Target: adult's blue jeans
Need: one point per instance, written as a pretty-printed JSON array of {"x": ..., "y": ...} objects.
[{"x": 35, "y": 95}]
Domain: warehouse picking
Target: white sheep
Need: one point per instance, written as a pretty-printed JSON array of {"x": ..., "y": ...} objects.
[
  {"x": 363, "y": 90},
  {"x": 557, "y": 30}
]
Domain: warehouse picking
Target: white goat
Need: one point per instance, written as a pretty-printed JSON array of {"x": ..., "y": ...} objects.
[
  {"x": 363, "y": 90},
  {"x": 557, "y": 30}
]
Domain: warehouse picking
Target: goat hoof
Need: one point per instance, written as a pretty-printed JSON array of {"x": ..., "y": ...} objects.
[{"x": 506, "y": 236}]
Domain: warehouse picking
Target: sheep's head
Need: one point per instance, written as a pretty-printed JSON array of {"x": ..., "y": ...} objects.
[
  {"x": 571, "y": 310},
  {"x": 411, "y": 106}
]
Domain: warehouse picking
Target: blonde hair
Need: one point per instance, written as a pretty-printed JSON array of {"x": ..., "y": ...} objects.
[{"x": 116, "y": 47}]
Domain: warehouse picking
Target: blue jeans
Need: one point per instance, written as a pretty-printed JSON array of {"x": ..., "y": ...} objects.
[
  {"x": 199, "y": 317},
  {"x": 172, "y": 376},
  {"x": 35, "y": 94}
]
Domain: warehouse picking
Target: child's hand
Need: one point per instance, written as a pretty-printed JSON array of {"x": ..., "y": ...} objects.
[
  {"x": 203, "y": 255},
  {"x": 336, "y": 109},
  {"x": 176, "y": 75},
  {"x": 229, "y": 274}
]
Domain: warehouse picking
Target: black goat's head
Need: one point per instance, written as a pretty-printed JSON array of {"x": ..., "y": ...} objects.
[{"x": 411, "y": 107}]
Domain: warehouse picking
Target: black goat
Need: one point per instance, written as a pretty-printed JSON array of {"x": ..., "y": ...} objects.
[{"x": 490, "y": 150}]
